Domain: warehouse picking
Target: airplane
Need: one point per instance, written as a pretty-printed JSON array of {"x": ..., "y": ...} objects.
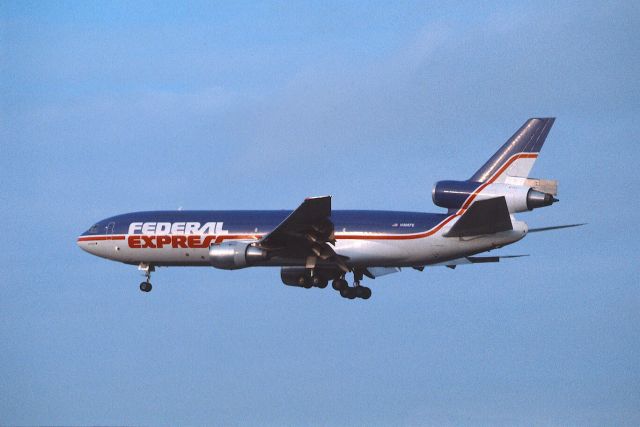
[{"x": 314, "y": 244}]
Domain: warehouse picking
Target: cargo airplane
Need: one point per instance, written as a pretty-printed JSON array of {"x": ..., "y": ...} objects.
[{"x": 314, "y": 245}]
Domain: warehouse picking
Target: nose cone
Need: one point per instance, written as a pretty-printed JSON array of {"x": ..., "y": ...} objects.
[
  {"x": 87, "y": 241},
  {"x": 82, "y": 243}
]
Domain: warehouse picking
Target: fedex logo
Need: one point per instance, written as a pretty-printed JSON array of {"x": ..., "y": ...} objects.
[{"x": 176, "y": 228}]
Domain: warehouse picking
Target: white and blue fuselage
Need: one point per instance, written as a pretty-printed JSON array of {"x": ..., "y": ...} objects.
[{"x": 364, "y": 238}]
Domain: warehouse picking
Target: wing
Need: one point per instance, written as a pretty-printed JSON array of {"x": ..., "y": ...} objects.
[
  {"x": 306, "y": 233},
  {"x": 473, "y": 260},
  {"x": 556, "y": 227},
  {"x": 373, "y": 272}
]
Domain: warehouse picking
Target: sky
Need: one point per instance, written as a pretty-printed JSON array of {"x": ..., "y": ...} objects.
[{"x": 113, "y": 107}]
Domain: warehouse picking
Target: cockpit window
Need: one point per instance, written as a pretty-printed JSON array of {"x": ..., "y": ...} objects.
[{"x": 93, "y": 229}]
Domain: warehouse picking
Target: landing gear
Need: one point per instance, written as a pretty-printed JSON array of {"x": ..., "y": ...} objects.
[
  {"x": 306, "y": 283},
  {"x": 311, "y": 280},
  {"x": 352, "y": 292},
  {"x": 349, "y": 293},
  {"x": 363, "y": 292},
  {"x": 322, "y": 284},
  {"x": 147, "y": 269},
  {"x": 339, "y": 284}
]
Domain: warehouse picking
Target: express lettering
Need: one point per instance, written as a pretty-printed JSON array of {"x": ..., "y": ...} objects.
[{"x": 174, "y": 241}]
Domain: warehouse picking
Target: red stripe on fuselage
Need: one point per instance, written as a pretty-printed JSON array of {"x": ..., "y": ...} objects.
[{"x": 93, "y": 238}]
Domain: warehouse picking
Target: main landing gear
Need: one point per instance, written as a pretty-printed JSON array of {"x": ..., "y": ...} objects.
[
  {"x": 147, "y": 269},
  {"x": 352, "y": 292},
  {"x": 311, "y": 280}
]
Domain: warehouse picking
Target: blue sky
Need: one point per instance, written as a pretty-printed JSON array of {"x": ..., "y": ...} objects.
[{"x": 110, "y": 108}]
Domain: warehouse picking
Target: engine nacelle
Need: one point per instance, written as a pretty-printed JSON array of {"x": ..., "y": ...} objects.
[
  {"x": 234, "y": 255},
  {"x": 293, "y": 276},
  {"x": 520, "y": 198}
]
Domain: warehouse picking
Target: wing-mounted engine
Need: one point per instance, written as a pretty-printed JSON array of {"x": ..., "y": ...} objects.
[
  {"x": 294, "y": 276},
  {"x": 235, "y": 255},
  {"x": 519, "y": 198}
]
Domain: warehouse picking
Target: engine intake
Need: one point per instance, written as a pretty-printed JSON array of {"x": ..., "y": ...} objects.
[{"x": 235, "y": 255}]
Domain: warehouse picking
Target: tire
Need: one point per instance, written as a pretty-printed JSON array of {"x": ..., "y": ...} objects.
[
  {"x": 349, "y": 293},
  {"x": 366, "y": 293},
  {"x": 322, "y": 284}
]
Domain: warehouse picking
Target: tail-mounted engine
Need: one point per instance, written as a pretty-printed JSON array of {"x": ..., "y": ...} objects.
[
  {"x": 520, "y": 198},
  {"x": 234, "y": 255}
]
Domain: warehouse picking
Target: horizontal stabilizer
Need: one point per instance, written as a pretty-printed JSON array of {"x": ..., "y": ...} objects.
[
  {"x": 557, "y": 227},
  {"x": 483, "y": 217}
]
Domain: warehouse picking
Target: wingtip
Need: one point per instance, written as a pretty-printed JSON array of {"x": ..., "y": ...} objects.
[{"x": 555, "y": 227}]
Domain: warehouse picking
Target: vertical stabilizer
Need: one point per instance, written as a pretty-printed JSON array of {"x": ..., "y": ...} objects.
[{"x": 517, "y": 156}]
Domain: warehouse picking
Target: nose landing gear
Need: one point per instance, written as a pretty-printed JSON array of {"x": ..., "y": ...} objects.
[{"x": 147, "y": 269}]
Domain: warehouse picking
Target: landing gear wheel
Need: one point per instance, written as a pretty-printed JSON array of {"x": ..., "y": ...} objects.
[
  {"x": 147, "y": 269},
  {"x": 349, "y": 293},
  {"x": 339, "y": 284},
  {"x": 322, "y": 284},
  {"x": 365, "y": 293}
]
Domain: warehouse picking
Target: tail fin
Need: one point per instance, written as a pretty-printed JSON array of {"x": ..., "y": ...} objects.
[{"x": 517, "y": 156}]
